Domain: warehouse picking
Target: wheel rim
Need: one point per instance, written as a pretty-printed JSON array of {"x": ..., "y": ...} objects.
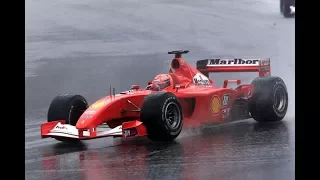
[
  {"x": 280, "y": 99},
  {"x": 172, "y": 115}
]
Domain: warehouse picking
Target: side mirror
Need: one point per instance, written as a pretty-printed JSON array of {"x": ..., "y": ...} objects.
[{"x": 135, "y": 87}]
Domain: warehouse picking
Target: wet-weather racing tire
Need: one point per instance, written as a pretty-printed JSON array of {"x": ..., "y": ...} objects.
[
  {"x": 161, "y": 113},
  {"x": 68, "y": 107},
  {"x": 269, "y": 102}
]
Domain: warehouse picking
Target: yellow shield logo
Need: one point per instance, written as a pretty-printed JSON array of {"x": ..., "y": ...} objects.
[
  {"x": 98, "y": 104},
  {"x": 215, "y": 105}
]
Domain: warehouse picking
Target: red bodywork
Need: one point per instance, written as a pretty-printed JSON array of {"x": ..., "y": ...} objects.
[{"x": 201, "y": 103}]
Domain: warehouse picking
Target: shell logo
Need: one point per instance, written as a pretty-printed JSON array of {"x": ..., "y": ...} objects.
[{"x": 215, "y": 105}]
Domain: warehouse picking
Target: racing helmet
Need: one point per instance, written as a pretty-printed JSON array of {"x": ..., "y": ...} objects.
[{"x": 161, "y": 82}]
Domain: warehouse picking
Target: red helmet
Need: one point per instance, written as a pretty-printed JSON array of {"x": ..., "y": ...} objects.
[{"x": 160, "y": 82}]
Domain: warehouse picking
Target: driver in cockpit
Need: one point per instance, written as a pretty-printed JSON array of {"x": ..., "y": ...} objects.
[{"x": 160, "y": 82}]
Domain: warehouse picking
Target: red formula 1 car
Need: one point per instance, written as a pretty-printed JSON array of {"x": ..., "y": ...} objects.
[{"x": 183, "y": 97}]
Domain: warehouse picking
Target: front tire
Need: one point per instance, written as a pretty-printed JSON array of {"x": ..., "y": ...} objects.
[
  {"x": 269, "y": 102},
  {"x": 68, "y": 107},
  {"x": 161, "y": 112}
]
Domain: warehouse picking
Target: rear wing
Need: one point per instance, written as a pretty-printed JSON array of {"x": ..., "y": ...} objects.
[{"x": 234, "y": 65}]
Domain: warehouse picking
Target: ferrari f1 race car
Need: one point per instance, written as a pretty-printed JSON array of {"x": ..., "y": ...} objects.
[
  {"x": 287, "y": 8},
  {"x": 185, "y": 96}
]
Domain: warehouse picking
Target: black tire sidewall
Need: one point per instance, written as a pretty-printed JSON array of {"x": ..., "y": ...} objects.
[
  {"x": 63, "y": 107},
  {"x": 171, "y": 131},
  {"x": 262, "y": 103},
  {"x": 280, "y": 84},
  {"x": 153, "y": 116}
]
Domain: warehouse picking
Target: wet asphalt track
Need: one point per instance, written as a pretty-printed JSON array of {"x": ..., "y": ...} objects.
[{"x": 84, "y": 46}]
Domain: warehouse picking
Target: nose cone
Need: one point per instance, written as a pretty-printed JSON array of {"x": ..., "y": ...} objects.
[
  {"x": 86, "y": 119},
  {"x": 82, "y": 123},
  {"x": 90, "y": 117},
  {"x": 110, "y": 108}
]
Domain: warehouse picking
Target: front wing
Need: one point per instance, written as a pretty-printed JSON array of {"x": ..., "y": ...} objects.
[{"x": 60, "y": 129}]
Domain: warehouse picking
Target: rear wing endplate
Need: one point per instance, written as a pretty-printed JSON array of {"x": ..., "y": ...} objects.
[{"x": 234, "y": 65}]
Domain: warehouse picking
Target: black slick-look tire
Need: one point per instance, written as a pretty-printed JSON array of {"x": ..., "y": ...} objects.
[
  {"x": 68, "y": 107},
  {"x": 269, "y": 102},
  {"x": 161, "y": 112}
]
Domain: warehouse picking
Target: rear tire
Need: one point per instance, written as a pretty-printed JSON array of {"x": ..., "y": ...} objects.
[
  {"x": 68, "y": 107},
  {"x": 269, "y": 102},
  {"x": 161, "y": 112}
]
